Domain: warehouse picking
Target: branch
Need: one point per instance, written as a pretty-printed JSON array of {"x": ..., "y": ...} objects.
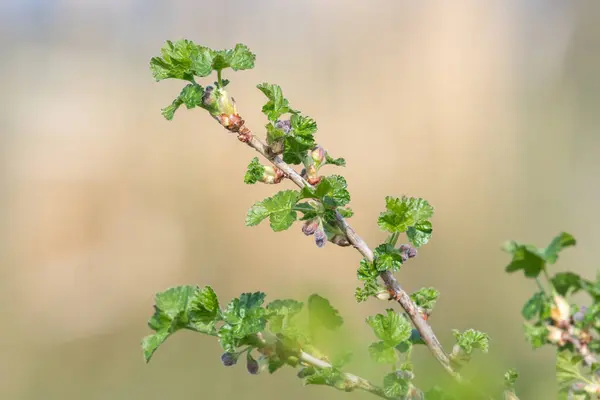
[{"x": 236, "y": 124}]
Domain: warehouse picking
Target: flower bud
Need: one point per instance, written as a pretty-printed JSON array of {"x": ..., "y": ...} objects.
[
  {"x": 320, "y": 237},
  {"x": 229, "y": 359},
  {"x": 555, "y": 335},
  {"x": 580, "y": 315},
  {"x": 252, "y": 365},
  {"x": 383, "y": 295},
  {"x": 560, "y": 310},
  {"x": 310, "y": 226},
  {"x": 318, "y": 155},
  {"x": 409, "y": 250},
  {"x": 340, "y": 240},
  {"x": 284, "y": 125}
]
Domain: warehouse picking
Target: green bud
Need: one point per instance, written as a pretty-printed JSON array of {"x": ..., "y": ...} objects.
[{"x": 318, "y": 155}]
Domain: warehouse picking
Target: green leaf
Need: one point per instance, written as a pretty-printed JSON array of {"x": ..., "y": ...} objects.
[
  {"x": 526, "y": 258},
  {"x": 277, "y": 104},
  {"x": 472, "y": 339},
  {"x": 419, "y": 234},
  {"x": 254, "y": 172},
  {"x": 392, "y": 328},
  {"x": 181, "y": 59},
  {"x": 371, "y": 288},
  {"x": 510, "y": 378},
  {"x": 345, "y": 212},
  {"x": 303, "y": 126},
  {"x": 425, "y": 298},
  {"x": 537, "y": 306},
  {"x": 382, "y": 353},
  {"x": 190, "y": 96},
  {"x": 562, "y": 241},
  {"x": 279, "y": 209},
  {"x": 387, "y": 258},
  {"x": 567, "y": 370},
  {"x": 395, "y": 386},
  {"x": 566, "y": 283},
  {"x": 181, "y": 308},
  {"x": 331, "y": 191},
  {"x": 328, "y": 376},
  {"x": 403, "y": 213},
  {"x": 238, "y": 58},
  {"x": 244, "y": 316},
  {"x": 537, "y": 335},
  {"x": 275, "y": 364},
  {"x": 340, "y": 162},
  {"x": 281, "y": 312},
  {"x": 322, "y": 314},
  {"x": 367, "y": 271}
]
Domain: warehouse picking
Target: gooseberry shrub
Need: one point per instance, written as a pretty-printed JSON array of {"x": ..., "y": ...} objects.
[{"x": 267, "y": 336}]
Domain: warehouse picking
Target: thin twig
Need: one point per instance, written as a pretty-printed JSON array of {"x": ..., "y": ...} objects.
[
  {"x": 356, "y": 381},
  {"x": 392, "y": 285}
]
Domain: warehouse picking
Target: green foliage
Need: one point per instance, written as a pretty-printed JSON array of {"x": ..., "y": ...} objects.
[
  {"x": 332, "y": 192},
  {"x": 531, "y": 259},
  {"x": 410, "y": 215},
  {"x": 322, "y": 314},
  {"x": 391, "y": 327},
  {"x": 387, "y": 258},
  {"x": 425, "y": 298},
  {"x": 243, "y": 317},
  {"x": 340, "y": 162},
  {"x": 536, "y": 334},
  {"x": 279, "y": 208},
  {"x": 183, "y": 307},
  {"x": 299, "y": 140},
  {"x": 190, "y": 96},
  {"x": 255, "y": 172},
  {"x": 382, "y": 353},
  {"x": 327, "y": 376},
  {"x": 395, "y": 386},
  {"x": 538, "y": 306},
  {"x": 471, "y": 339},
  {"x": 277, "y": 104},
  {"x": 183, "y": 59},
  {"x": 567, "y": 370},
  {"x": 510, "y": 378}
]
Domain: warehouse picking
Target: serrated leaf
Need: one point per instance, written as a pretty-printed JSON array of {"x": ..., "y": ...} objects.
[
  {"x": 536, "y": 306},
  {"x": 178, "y": 308},
  {"x": 340, "y": 162},
  {"x": 387, "y": 258},
  {"x": 244, "y": 316},
  {"x": 181, "y": 59},
  {"x": 254, "y": 172},
  {"x": 402, "y": 213},
  {"x": 277, "y": 104},
  {"x": 322, "y": 314},
  {"x": 279, "y": 208},
  {"x": 536, "y": 335},
  {"x": 238, "y": 58},
  {"x": 327, "y": 376},
  {"x": 560, "y": 242},
  {"x": 524, "y": 257},
  {"x": 567, "y": 369},
  {"x": 392, "y": 328},
  {"x": 510, "y": 378},
  {"x": 566, "y": 283},
  {"x": 274, "y": 134},
  {"x": 382, "y": 353},
  {"x": 190, "y": 96},
  {"x": 303, "y": 126},
  {"x": 281, "y": 312},
  {"x": 472, "y": 339},
  {"x": 420, "y": 233},
  {"x": 395, "y": 386},
  {"x": 425, "y": 298}
]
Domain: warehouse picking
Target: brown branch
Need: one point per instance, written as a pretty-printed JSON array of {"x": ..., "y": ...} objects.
[{"x": 236, "y": 125}]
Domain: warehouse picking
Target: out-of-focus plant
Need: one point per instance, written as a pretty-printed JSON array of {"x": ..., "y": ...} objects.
[{"x": 287, "y": 332}]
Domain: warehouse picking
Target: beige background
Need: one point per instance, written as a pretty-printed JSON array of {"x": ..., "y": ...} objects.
[{"x": 488, "y": 109}]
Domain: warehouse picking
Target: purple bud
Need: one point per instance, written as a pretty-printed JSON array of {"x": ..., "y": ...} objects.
[
  {"x": 252, "y": 365},
  {"x": 284, "y": 125},
  {"x": 229, "y": 359},
  {"x": 320, "y": 237},
  {"x": 310, "y": 227},
  {"x": 579, "y": 315},
  {"x": 407, "y": 249}
]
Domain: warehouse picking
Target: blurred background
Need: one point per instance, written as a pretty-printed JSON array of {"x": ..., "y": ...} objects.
[{"x": 486, "y": 109}]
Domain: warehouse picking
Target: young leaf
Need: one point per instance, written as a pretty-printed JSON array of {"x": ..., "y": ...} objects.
[
  {"x": 190, "y": 96},
  {"x": 371, "y": 288},
  {"x": 181, "y": 59},
  {"x": 537, "y": 306},
  {"x": 408, "y": 214},
  {"x": 510, "y": 378},
  {"x": 472, "y": 339},
  {"x": 332, "y": 192},
  {"x": 392, "y": 328},
  {"x": 563, "y": 240},
  {"x": 537, "y": 335},
  {"x": 340, "y": 162},
  {"x": 178, "y": 308},
  {"x": 279, "y": 209},
  {"x": 387, "y": 258},
  {"x": 395, "y": 386},
  {"x": 255, "y": 172},
  {"x": 526, "y": 258},
  {"x": 567, "y": 370},
  {"x": 280, "y": 313},
  {"x": 566, "y": 283},
  {"x": 425, "y": 298},
  {"x": 382, "y": 353},
  {"x": 244, "y": 316},
  {"x": 367, "y": 271},
  {"x": 277, "y": 104},
  {"x": 322, "y": 314},
  {"x": 328, "y": 376},
  {"x": 274, "y": 134},
  {"x": 238, "y": 58}
]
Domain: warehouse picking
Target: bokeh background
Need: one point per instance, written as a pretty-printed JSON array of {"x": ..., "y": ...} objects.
[{"x": 488, "y": 109}]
